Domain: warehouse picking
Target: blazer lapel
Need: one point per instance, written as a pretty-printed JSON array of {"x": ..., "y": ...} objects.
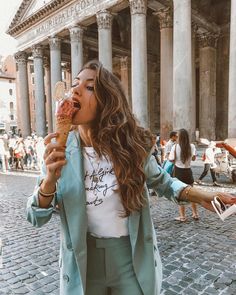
[{"x": 74, "y": 196}]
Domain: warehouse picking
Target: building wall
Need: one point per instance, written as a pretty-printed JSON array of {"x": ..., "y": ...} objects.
[{"x": 7, "y": 103}]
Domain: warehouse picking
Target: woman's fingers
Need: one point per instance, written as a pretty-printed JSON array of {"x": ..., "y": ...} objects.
[
  {"x": 49, "y": 137},
  {"x": 54, "y": 169},
  {"x": 51, "y": 147},
  {"x": 55, "y": 155},
  {"x": 227, "y": 198}
]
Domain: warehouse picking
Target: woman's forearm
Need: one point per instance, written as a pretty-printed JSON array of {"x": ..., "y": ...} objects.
[{"x": 195, "y": 195}]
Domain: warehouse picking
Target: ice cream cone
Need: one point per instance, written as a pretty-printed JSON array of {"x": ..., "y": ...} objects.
[
  {"x": 63, "y": 126},
  {"x": 64, "y": 112}
]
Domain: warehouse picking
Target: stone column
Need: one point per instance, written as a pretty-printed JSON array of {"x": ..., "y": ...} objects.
[
  {"x": 232, "y": 74},
  {"x": 55, "y": 62},
  {"x": 21, "y": 59},
  {"x": 165, "y": 17},
  {"x": 193, "y": 104},
  {"x": 104, "y": 21},
  {"x": 125, "y": 76},
  {"x": 47, "y": 83},
  {"x": 207, "y": 96},
  {"x": 182, "y": 60},
  {"x": 138, "y": 9},
  {"x": 76, "y": 37},
  {"x": 68, "y": 76},
  {"x": 154, "y": 95},
  {"x": 40, "y": 113}
]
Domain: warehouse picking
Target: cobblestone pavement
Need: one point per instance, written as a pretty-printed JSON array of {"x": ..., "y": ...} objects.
[{"x": 199, "y": 257}]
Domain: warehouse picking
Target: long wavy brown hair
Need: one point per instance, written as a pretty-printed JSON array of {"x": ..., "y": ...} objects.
[
  {"x": 184, "y": 145},
  {"x": 115, "y": 133}
]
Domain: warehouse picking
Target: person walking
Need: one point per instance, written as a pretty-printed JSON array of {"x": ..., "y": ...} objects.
[
  {"x": 209, "y": 164},
  {"x": 100, "y": 181},
  {"x": 171, "y": 142},
  {"x": 182, "y": 154}
]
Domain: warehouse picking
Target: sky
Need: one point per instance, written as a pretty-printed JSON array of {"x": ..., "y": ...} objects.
[{"x": 8, "y": 9}]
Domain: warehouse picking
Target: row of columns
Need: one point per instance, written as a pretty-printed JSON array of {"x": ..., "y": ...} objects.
[
  {"x": 104, "y": 21},
  {"x": 177, "y": 69},
  {"x": 178, "y": 73}
]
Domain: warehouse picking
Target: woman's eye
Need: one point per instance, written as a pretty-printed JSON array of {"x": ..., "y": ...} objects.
[
  {"x": 90, "y": 88},
  {"x": 74, "y": 85}
]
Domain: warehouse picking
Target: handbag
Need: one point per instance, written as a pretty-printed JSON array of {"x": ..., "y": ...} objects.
[{"x": 169, "y": 166}]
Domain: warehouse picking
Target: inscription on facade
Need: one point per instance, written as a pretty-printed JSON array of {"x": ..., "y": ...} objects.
[
  {"x": 65, "y": 15},
  {"x": 68, "y": 16}
]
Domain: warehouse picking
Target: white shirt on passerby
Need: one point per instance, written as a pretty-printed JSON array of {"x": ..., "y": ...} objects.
[
  {"x": 210, "y": 157},
  {"x": 168, "y": 147},
  {"x": 175, "y": 155}
]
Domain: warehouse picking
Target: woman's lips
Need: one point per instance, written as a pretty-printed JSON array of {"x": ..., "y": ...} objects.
[{"x": 77, "y": 105}]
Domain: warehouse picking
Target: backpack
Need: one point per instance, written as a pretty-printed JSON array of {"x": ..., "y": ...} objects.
[{"x": 203, "y": 157}]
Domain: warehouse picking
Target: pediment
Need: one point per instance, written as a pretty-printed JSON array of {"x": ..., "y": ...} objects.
[
  {"x": 33, "y": 7},
  {"x": 26, "y": 9}
]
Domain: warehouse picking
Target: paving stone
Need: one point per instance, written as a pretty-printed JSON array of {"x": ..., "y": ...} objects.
[
  {"x": 194, "y": 259},
  {"x": 22, "y": 290}
]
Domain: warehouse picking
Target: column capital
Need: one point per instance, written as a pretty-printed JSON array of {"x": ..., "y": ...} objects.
[
  {"x": 165, "y": 17},
  {"x": 37, "y": 51},
  {"x": 208, "y": 39},
  {"x": 76, "y": 33},
  {"x": 138, "y": 6},
  {"x": 104, "y": 19},
  {"x": 54, "y": 43},
  {"x": 21, "y": 57}
]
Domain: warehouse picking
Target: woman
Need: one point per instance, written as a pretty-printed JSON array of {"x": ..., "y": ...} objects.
[
  {"x": 182, "y": 153},
  {"x": 108, "y": 242}
]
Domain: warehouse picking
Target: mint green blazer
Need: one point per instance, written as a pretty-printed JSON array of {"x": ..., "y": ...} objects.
[{"x": 71, "y": 198}]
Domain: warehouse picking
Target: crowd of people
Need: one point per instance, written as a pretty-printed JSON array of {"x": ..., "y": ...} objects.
[{"x": 18, "y": 153}]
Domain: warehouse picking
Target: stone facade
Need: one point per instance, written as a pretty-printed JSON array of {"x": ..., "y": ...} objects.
[
  {"x": 8, "y": 95},
  {"x": 175, "y": 58}
]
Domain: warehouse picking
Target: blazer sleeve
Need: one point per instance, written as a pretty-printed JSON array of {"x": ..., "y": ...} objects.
[
  {"x": 36, "y": 215},
  {"x": 161, "y": 182}
]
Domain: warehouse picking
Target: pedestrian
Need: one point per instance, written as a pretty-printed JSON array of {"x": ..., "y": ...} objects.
[
  {"x": 182, "y": 153},
  {"x": 156, "y": 148},
  {"x": 19, "y": 153},
  {"x": 100, "y": 182},
  {"x": 170, "y": 143},
  {"x": 2, "y": 156},
  {"x": 167, "y": 165},
  {"x": 209, "y": 164}
]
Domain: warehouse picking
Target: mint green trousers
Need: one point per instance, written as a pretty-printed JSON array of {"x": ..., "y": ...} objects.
[{"x": 109, "y": 267}]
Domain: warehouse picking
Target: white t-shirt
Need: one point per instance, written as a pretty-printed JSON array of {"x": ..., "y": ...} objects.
[
  {"x": 178, "y": 161},
  {"x": 104, "y": 207},
  {"x": 210, "y": 157},
  {"x": 168, "y": 147}
]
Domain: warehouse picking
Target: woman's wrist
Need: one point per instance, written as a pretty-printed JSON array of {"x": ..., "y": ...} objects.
[{"x": 47, "y": 188}]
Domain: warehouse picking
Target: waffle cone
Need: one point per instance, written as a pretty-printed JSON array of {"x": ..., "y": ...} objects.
[{"x": 63, "y": 126}]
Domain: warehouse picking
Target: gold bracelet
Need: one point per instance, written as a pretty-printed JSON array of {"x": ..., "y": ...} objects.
[
  {"x": 47, "y": 195},
  {"x": 186, "y": 193}
]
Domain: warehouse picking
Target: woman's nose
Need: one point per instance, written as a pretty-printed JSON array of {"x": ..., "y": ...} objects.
[{"x": 76, "y": 90}]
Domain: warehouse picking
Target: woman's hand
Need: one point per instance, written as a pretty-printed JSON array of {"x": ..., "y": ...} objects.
[
  {"x": 54, "y": 158},
  {"x": 226, "y": 198}
]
